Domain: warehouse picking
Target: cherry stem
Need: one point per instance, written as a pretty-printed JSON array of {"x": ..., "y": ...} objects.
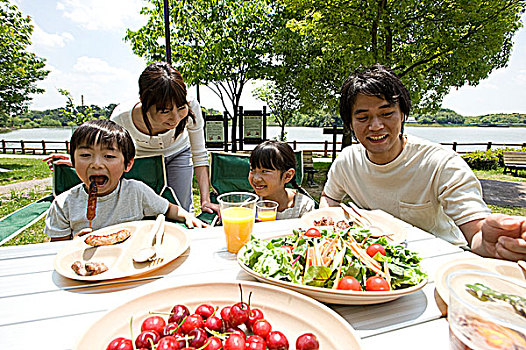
[{"x": 241, "y": 292}]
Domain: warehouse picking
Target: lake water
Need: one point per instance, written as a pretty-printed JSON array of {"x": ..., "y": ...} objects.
[{"x": 435, "y": 134}]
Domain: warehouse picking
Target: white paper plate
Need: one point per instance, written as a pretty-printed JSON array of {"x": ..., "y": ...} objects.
[
  {"x": 291, "y": 313},
  {"x": 118, "y": 257}
]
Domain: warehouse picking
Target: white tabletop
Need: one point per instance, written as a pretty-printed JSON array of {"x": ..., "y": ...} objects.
[{"x": 41, "y": 309}]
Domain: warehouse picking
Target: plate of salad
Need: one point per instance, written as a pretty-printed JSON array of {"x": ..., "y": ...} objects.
[{"x": 340, "y": 266}]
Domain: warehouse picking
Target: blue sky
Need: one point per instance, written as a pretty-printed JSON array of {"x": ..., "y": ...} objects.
[{"x": 82, "y": 42}]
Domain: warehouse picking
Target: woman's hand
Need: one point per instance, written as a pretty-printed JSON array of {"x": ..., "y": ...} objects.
[
  {"x": 193, "y": 222},
  {"x": 57, "y": 159}
]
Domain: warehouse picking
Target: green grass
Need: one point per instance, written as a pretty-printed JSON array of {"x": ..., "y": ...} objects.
[
  {"x": 22, "y": 169},
  {"x": 498, "y": 174}
]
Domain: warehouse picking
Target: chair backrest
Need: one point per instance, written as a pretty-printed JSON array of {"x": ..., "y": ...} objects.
[
  {"x": 229, "y": 171},
  {"x": 150, "y": 170}
]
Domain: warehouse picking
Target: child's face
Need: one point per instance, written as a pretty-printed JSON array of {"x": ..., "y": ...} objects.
[
  {"x": 268, "y": 182},
  {"x": 103, "y": 164}
]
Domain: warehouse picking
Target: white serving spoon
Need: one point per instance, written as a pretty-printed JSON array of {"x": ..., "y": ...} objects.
[{"x": 148, "y": 253}]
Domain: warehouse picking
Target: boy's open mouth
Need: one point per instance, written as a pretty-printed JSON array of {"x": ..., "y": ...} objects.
[{"x": 100, "y": 180}]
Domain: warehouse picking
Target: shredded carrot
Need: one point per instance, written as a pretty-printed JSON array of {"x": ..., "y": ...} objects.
[
  {"x": 387, "y": 274},
  {"x": 361, "y": 255},
  {"x": 337, "y": 279}
]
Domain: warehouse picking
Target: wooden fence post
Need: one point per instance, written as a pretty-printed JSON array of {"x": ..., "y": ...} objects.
[
  {"x": 326, "y": 148},
  {"x": 294, "y": 145},
  {"x": 44, "y": 147},
  {"x": 67, "y": 146},
  {"x": 489, "y": 146},
  {"x": 3, "y": 146},
  {"x": 22, "y": 146},
  {"x": 454, "y": 146}
]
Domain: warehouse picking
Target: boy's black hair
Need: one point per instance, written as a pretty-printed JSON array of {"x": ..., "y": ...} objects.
[
  {"x": 379, "y": 81},
  {"x": 161, "y": 85},
  {"x": 277, "y": 155},
  {"x": 105, "y": 132}
]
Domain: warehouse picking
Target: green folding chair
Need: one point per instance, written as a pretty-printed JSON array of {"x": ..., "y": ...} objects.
[
  {"x": 150, "y": 170},
  {"x": 229, "y": 173}
]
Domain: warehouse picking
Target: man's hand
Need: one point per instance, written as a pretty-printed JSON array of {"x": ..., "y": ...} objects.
[
  {"x": 504, "y": 236},
  {"x": 57, "y": 159}
]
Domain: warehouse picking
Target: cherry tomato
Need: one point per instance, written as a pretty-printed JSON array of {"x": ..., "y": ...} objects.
[
  {"x": 349, "y": 283},
  {"x": 375, "y": 248},
  {"x": 313, "y": 232},
  {"x": 376, "y": 283}
]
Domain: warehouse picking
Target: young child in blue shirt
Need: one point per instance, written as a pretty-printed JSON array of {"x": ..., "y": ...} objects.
[{"x": 102, "y": 151}]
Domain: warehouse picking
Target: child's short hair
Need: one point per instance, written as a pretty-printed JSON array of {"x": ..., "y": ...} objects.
[
  {"x": 273, "y": 154},
  {"x": 106, "y": 132}
]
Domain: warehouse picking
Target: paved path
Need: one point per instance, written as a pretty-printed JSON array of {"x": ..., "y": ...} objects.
[
  {"x": 504, "y": 193},
  {"x": 37, "y": 185}
]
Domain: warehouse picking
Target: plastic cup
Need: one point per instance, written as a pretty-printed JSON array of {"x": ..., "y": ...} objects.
[
  {"x": 238, "y": 212},
  {"x": 477, "y": 324},
  {"x": 266, "y": 210}
]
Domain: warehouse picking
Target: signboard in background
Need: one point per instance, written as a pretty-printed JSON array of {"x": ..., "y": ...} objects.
[
  {"x": 253, "y": 126},
  {"x": 215, "y": 131}
]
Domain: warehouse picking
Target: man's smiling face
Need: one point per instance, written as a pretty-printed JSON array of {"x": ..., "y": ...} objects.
[{"x": 377, "y": 125}]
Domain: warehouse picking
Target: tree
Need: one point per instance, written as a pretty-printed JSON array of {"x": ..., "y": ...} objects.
[
  {"x": 282, "y": 101},
  {"x": 76, "y": 114},
  {"x": 432, "y": 45},
  {"x": 220, "y": 43},
  {"x": 19, "y": 69}
]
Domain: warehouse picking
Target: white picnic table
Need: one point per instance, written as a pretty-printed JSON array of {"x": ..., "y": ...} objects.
[{"x": 41, "y": 309}]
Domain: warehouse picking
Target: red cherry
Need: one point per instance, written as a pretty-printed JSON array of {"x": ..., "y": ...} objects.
[
  {"x": 205, "y": 310},
  {"x": 120, "y": 344},
  {"x": 214, "y": 323},
  {"x": 168, "y": 343},
  {"x": 238, "y": 314},
  {"x": 178, "y": 313},
  {"x": 145, "y": 339},
  {"x": 307, "y": 341},
  {"x": 277, "y": 341},
  {"x": 262, "y": 328},
  {"x": 234, "y": 342},
  {"x": 213, "y": 343},
  {"x": 153, "y": 323},
  {"x": 192, "y": 322},
  {"x": 255, "y": 314}
]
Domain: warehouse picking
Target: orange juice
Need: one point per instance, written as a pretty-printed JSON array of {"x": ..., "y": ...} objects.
[
  {"x": 237, "y": 222},
  {"x": 267, "y": 215}
]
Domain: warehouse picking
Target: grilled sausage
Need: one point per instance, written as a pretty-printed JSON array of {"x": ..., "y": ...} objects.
[
  {"x": 89, "y": 268},
  {"x": 112, "y": 238},
  {"x": 92, "y": 201}
]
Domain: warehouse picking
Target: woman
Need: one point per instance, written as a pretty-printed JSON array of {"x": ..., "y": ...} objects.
[{"x": 166, "y": 122}]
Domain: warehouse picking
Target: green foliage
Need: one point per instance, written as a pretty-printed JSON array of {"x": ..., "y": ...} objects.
[
  {"x": 482, "y": 160},
  {"x": 75, "y": 114},
  {"x": 282, "y": 100},
  {"x": 19, "y": 69},
  {"x": 433, "y": 46},
  {"x": 219, "y": 43},
  {"x": 500, "y": 118}
]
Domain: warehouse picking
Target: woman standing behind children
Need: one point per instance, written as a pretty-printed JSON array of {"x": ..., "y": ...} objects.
[
  {"x": 102, "y": 151},
  {"x": 272, "y": 167}
]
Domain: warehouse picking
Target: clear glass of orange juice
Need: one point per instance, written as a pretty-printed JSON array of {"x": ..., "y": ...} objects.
[
  {"x": 238, "y": 212},
  {"x": 266, "y": 210}
]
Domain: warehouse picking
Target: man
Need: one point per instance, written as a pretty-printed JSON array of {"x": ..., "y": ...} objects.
[{"x": 415, "y": 180}]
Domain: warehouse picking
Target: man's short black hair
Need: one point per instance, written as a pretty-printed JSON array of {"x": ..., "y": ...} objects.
[{"x": 379, "y": 81}]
